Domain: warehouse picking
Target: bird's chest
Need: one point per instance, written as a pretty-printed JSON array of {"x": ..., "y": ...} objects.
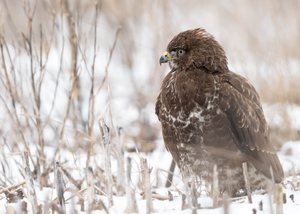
[{"x": 187, "y": 102}]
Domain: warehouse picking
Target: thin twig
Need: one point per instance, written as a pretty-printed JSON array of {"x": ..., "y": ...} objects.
[
  {"x": 109, "y": 59},
  {"x": 91, "y": 113},
  {"x": 70, "y": 178},
  {"x": 8, "y": 189},
  {"x": 92, "y": 97}
]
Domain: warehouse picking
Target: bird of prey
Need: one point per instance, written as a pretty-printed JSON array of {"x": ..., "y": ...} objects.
[{"x": 213, "y": 116}]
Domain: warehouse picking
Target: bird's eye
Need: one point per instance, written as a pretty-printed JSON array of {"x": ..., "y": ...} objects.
[{"x": 180, "y": 52}]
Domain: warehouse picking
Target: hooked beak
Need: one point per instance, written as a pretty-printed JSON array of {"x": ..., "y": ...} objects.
[{"x": 166, "y": 57}]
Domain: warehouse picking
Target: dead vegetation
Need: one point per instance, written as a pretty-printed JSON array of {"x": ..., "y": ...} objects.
[{"x": 80, "y": 78}]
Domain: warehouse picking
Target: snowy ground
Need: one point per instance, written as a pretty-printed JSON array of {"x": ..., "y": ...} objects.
[{"x": 159, "y": 161}]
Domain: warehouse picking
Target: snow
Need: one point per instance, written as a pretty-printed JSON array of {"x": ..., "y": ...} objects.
[
  {"x": 289, "y": 156},
  {"x": 160, "y": 160},
  {"x": 126, "y": 81},
  {"x": 279, "y": 114}
]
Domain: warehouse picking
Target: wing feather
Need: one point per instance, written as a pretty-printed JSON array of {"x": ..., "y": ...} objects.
[{"x": 240, "y": 103}]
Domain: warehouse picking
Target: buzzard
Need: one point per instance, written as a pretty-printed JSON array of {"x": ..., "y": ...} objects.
[{"x": 212, "y": 116}]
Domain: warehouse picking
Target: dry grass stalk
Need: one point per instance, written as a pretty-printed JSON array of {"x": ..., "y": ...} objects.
[
  {"x": 247, "y": 182},
  {"x": 225, "y": 204},
  {"x": 110, "y": 57},
  {"x": 119, "y": 149},
  {"x": 78, "y": 193},
  {"x": 260, "y": 206},
  {"x": 184, "y": 205},
  {"x": 92, "y": 95},
  {"x": 38, "y": 170},
  {"x": 55, "y": 208},
  {"x": 146, "y": 185},
  {"x": 60, "y": 186},
  {"x": 194, "y": 197},
  {"x": 74, "y": 77},
  {"x": 270, "y": 203},
  {"x": 191, "y": 192},
  {"x": 284, "y": 198},
  {"x": 23, "y": 207},
  {"x": 142, "y": 181},
  {"x": 130, "y": 195},
  {"x": 271, "y": 191},
  {"x": 278, "y": 197},
  {"x": 14, "y": 196},
  {"x": 215, "y": 187},
  {"x": 30, "y": 185},
  {"x": 12, "y": 188},
  {"x": 11, "y": 88},
  {"x": 91, "y": 190},
  {"x": 47, "y": 205},
  {"x": 76, "y": 183},
  {"x": 162, "y": 197},
  {"x": 74, "y": 102},
  {"x": 10, "y": 209},
  {"x": 106, "y": 134},
  {"x": 91, "y": 113},
  {"x": 36, "y": 84}
]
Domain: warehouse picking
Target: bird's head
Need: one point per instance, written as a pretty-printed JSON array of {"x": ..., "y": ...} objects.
[{"x": 195, "y": 48}]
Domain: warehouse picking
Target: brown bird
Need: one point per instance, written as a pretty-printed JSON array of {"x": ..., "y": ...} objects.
[{"x": 212, "y": 116}]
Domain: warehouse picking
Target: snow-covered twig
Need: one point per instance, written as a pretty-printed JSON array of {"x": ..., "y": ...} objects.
[
  {"x": 13, "y": 187},
  {"x": 278, "y": 197},
  {"x": 215, "y": 186},
  {"x": 76, "y": 183},
  {"x": 191, "y": 191},
  {"x": 194, "y": 196},
  {"x": 146, "y": 184},
  {"x": 247, "y": 182},
  {"x": 60, "y": 186},
  {"x": 120, "y": 160},
  {"x": 131, "y": 201},
  {"x": 225, "y": 204},
  {"x": 105, "y": 133},
  {"x": 91, "y": 190},
  {"x": 30, "y": 185}
]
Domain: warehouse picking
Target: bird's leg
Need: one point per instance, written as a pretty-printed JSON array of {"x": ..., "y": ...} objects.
[
  {"x": 194, "y": 196},
  {"x": 191, "y": 188},
  {"x": 170, "y": 174}
]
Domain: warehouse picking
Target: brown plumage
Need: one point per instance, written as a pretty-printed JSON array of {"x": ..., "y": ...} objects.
[{"x": 210, "y": 115}]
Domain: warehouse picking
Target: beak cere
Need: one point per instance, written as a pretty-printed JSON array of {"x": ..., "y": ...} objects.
[{"x": 166, "y": 57}]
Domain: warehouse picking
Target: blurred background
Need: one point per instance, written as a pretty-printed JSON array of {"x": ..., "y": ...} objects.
[{"x": 66, "y": 64}]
